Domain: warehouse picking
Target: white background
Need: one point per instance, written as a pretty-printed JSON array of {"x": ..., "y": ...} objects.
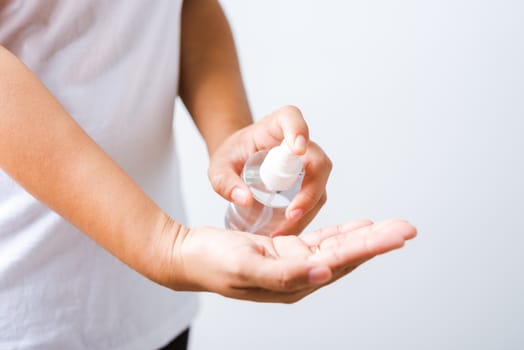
[{"x": 420, "y": 105}]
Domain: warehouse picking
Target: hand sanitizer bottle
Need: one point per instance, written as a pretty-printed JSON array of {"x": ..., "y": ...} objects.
[{"x": 274, "y": 178}]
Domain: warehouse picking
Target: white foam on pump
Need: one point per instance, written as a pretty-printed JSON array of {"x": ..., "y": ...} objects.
[{"x": 280, "y": 169}]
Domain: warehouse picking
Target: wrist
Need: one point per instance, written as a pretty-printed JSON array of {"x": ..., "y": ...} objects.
[{"x": 165, "y": 253}]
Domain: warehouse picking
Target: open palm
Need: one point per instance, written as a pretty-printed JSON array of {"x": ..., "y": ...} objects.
[{"x": 283, "y": 268}]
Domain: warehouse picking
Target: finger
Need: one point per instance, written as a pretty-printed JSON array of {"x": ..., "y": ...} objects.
[
  {"x": 285, "y": 123},
  {"x": 407, "y": 233},
  {"x": 362, "y": 241},
  {"x": 286, "y": 275},
  {"x": 224, "y": 176},
  {"x": 290, "y": 227},
  {"x": 317, "y": 167},
  {"x": 313, "y": 239},
  {"x": 340, "y": 250}
]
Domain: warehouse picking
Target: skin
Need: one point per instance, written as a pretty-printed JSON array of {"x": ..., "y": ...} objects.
[
  {"x": 212, "y": 90},
  {"x": 47, "y": 152}
]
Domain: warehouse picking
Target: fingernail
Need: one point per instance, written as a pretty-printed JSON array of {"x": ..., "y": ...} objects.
[
  {"x": 239, "y": 196},
  {"x": 295, "y": 215},
  {"x": 318, "y": 275},
  {"x": 300, "y": 144}
]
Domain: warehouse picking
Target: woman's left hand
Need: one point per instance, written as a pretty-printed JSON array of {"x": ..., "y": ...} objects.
[{"x": 287, "y": 124}]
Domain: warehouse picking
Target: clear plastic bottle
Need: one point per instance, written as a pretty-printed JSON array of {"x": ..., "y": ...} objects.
[{"x": 274, "y": 178}]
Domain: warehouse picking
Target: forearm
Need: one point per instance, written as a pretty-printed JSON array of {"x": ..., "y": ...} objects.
[
  {"x": 211, "y": 84},
  {"x": 49, "y": 154}
]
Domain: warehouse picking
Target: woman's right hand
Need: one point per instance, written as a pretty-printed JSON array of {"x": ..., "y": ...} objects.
[{"x": 281, "y": 269}]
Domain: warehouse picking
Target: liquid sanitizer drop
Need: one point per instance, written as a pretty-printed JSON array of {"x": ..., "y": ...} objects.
[{"x": 274, "y": 178}]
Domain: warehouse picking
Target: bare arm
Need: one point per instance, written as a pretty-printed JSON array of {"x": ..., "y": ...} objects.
[
  {"x": 211, "y": 85},
  {"x": 212, "y": 90},
  {"x": 49, "y": 154}
]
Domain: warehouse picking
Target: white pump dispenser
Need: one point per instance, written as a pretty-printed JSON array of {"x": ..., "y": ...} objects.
[
  {"x": 274, "y": 178},
  {"x": 280, "y": 169}
]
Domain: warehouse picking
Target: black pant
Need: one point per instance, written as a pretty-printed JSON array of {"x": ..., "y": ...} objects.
[{"x": 179, "y": 343}]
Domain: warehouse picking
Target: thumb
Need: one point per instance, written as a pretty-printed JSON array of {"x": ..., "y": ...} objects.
[
  {"x": 286, "y": 123},
  {"x": 227, "y": 183}
]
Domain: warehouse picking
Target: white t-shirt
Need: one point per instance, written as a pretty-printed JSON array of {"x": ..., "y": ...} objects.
[{"x": 114, "y": 66}]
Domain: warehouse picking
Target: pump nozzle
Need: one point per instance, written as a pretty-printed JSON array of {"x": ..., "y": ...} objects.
[{"x": 280, "y": 169}]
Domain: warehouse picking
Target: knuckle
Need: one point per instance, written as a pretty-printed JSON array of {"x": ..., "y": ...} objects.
[
  {"x": 310, "y": 197},
  {"x": 323, "y": 199},
  {"x": 218, "y": 179},
  {"x": 291, "y": 115},
  {"x": 319, "y": 159},
  {"x": 328, "y": 164},
  {"x": 291, "y": 110}
]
